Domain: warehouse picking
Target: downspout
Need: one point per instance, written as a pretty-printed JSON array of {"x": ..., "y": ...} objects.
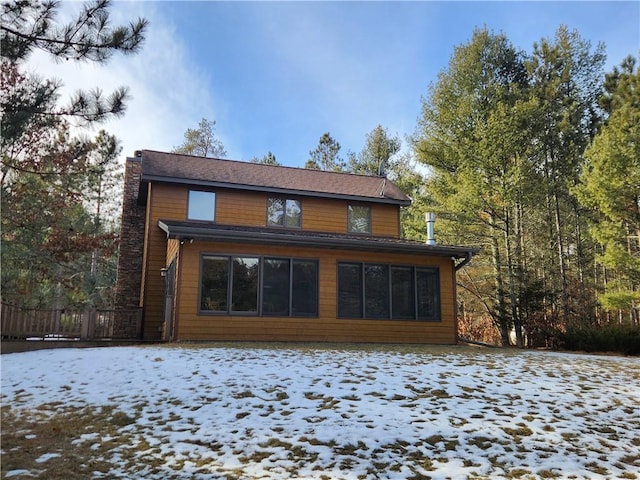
[
  {"x": 454, "y": 271},
  {"x": 176, "y": 300},
  {"x": 466, "y": 260},
  {"x": 454, "y": 285}
]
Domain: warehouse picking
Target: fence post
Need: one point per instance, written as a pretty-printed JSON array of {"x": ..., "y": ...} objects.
[
  {"x": 84, "y": 328},
  {"x": 87, "y": 330}
]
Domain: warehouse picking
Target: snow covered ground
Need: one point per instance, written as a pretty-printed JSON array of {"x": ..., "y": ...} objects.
[{"x": 274, "y": 412}]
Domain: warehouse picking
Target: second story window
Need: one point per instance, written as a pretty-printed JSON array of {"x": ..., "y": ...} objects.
[
  {"x": 284, "y": 212},
  {"x": 359, "y": 219},
  {"x": 202, "y": 206}
]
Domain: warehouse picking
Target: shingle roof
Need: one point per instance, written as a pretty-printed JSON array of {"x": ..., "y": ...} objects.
[{"x": 185, "y": 169}]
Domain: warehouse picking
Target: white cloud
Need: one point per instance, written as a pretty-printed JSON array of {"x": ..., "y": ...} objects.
[{"x": 169, "y": 92}]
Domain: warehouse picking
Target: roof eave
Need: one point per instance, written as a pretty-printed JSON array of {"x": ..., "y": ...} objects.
[{"x": 191, "y": 232}]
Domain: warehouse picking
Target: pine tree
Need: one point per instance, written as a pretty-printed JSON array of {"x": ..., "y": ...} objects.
[
  {"x": 268, "y": 159},
  {"x": 50, "y": 228},
  {"x": 326, "y": 155},
  {"x": 202, "y": 141},
  {"x": 377, "y": 154},
  {"x": 28, "y": 25},
  {"x": 610, "y": 187},
  {"x": 473, "y": 140}
]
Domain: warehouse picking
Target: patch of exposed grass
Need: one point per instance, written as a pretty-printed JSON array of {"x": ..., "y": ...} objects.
[
  {"x": 73, "y": 442},
  {"x": 547, "y": 474},
  {"x": 629, "y": 476},
  {"x": 243, "y": 394},
  {"x": 596, "y": 468},
  {"x": 631, "y": 460},
  {"x": 517, "y": 473},
  {"x": 483, "y": 443},
  {"x": 521, "y": 431},
  {"x": 349, "y": 448}
]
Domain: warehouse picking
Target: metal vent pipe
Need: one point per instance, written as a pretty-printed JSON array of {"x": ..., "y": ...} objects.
[{"x": 430, "y": 217}]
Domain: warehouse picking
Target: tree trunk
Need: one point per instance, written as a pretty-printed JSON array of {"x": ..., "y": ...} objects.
[
  {"x": 513, "y": 298},
  {"x": 503, "y": 322},
  {"x": 564, "y": 295}
]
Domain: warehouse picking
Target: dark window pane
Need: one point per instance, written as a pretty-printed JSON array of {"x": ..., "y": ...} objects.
[
  {"x": 349, "y": 290},
  {"x": 359, "y": 219},
  {"x": 376, "y": 291},
  {"x": 292, "y": 214},
  {"x": 202, "y": 206},
  {"x": 402, "y": 293},
  {"x": 275, "y": 287},
  {"x": 305, "y": 288},
  {"x": 275, "y": 211},
  {"x": 428, "y": 291},
  {"x": 244, "y": 292},
  {"x": 215, "y": 281}
]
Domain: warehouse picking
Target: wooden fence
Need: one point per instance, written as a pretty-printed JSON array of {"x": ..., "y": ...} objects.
[{"x": 64, "y": 324}]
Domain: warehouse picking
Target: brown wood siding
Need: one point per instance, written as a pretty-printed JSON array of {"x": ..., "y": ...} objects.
[
  {"x": 385, "y": 221},
  {"x": 326, "y": 327},
  {"x": 250, "y": 209},
  {"x": 331, "y": 216},
  {"x": 324, "y": 215},
  {"x": 164, "y": 202},
  {"x": 241, "y": 208},
  {"x": 172, "y": 251},
  {"x": 169, "y": 202}
]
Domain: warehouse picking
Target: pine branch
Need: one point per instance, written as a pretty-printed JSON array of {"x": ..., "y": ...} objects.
[{"x": 88, "y": 38}]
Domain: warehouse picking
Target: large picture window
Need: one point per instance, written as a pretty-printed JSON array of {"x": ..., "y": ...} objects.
[
  {"x": 259, "y": 286},
  {"x": 427, "y": 293},
  {"x": 284, "y": 212},
  {"x": 244, "y": 292},
  {"x": 380, "y": 291},
  {"x": 275, "y": 286},
  {"x": 214, "y": 284},
  {"x": 304, "y": 288},
  {"x": 376, "y": 291},
  {"x": 202, "y": 206},
  {"x": 402, "y": 293},
  {"x": 350, "y": 290}
]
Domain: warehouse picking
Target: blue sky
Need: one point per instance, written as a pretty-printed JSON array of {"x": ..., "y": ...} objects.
[{"x": 277, "y": 75}]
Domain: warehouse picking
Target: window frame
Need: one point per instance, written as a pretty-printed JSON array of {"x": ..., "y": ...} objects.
[
  {"x": 411, "y": 291},
  {"x": 316, "y": 303},
  {"x": 369, "y": 282},
  {"x": 190, "y": 202},
  {"x": 284, "y": 201},
  {"x": 262, "y": 287},
  {"x": 203, "y": 258},
  {"x": 434, "y": 272},
  {"x": 350, "y": 208},
  {"x": 260, "y": 311},
  {"x": 232, "y": 284},
  {"x": 360, "y": 305}
]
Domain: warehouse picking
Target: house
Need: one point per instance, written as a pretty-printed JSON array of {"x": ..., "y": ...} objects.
[{"x": 227, "y": 250}]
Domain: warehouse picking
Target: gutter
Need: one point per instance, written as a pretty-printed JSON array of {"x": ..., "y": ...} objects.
[{"x": 209, "y": 233}]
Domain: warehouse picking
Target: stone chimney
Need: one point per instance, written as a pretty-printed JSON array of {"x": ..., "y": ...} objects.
[{"x": 129, "y": 270}]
